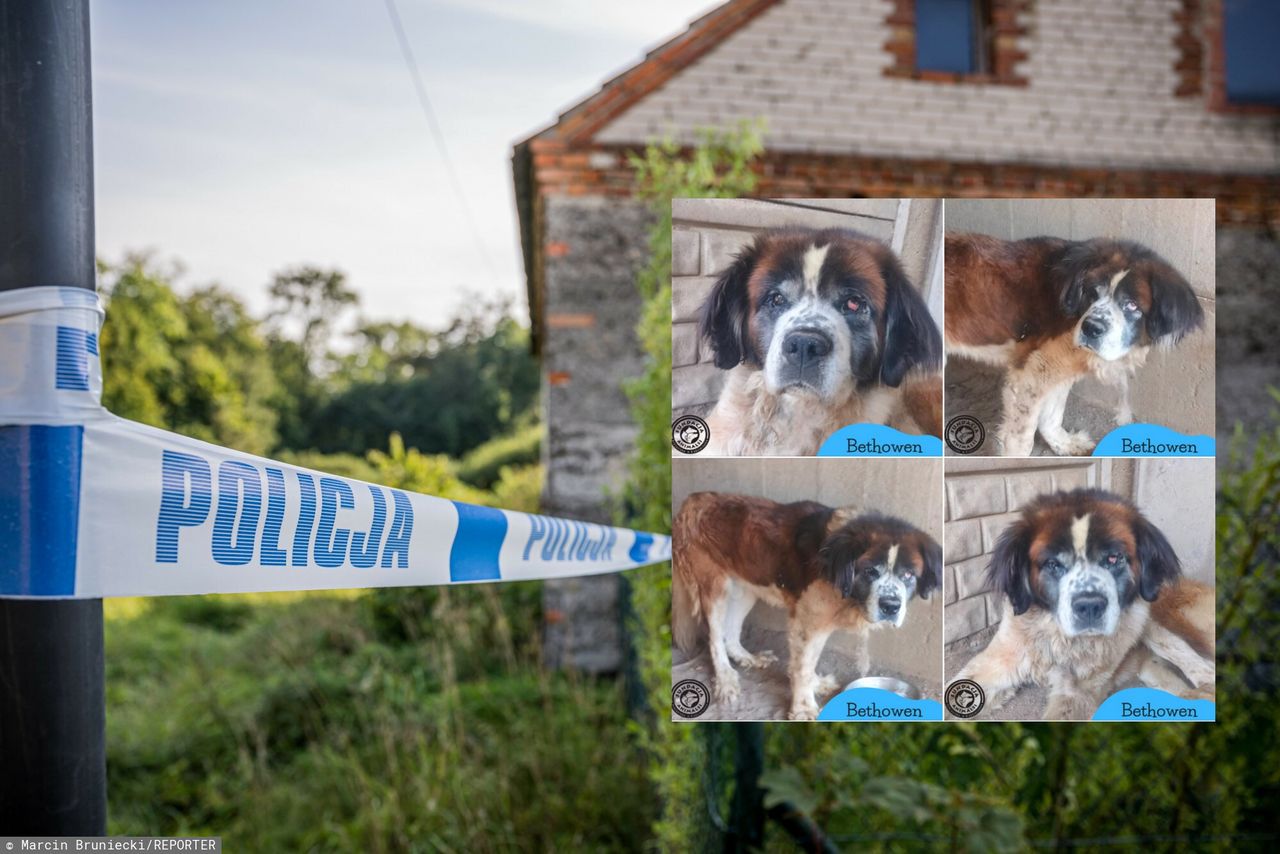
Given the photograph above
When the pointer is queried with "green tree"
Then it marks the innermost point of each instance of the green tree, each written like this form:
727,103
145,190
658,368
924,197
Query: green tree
312,300
195,364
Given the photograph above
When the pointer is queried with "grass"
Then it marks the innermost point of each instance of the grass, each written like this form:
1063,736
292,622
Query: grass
389,721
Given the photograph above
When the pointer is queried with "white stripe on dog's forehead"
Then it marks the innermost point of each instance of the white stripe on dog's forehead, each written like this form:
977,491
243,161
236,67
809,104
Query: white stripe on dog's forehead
893,556
1080,533
814,257
1115,280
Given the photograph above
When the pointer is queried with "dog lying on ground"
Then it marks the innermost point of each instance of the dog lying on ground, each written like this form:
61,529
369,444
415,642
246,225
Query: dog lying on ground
1094,597
829,569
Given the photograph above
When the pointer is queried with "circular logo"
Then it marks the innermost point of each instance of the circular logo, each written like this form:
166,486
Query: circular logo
689,434
964,698
965,434
690,698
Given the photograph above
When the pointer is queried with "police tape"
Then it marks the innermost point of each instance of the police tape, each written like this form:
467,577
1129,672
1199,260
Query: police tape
93,506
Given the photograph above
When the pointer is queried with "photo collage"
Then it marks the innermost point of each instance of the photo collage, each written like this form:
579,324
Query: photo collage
943,459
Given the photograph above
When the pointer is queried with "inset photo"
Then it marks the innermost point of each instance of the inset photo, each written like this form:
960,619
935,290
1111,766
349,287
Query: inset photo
1067,319
796,580
792,319
1080,588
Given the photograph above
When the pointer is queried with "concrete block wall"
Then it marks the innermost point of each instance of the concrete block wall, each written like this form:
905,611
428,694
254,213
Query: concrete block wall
909,489
593,249
1175,387
707,233
815,70
983,496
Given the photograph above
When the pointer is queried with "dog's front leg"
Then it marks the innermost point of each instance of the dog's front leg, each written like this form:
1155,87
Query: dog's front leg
1023,398
1063,442
727,689
997,669
806,648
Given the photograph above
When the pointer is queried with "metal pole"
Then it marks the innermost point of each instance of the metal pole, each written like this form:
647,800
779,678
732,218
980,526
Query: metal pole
53,775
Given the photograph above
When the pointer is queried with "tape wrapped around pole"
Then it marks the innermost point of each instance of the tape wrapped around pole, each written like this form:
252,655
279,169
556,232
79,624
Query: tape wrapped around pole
93,506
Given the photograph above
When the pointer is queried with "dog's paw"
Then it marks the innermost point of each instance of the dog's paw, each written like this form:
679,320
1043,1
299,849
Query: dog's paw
1124,416
1012,444
727,690
759,660
996,699
826,685
803,712
1069,707
1071,444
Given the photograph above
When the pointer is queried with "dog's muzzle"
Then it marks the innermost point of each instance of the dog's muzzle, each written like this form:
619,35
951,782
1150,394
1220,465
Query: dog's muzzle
803,353
1088,611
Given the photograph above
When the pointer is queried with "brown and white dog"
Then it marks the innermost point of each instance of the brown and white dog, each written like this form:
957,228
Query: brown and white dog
1094,598
830,569
1053,311
818,330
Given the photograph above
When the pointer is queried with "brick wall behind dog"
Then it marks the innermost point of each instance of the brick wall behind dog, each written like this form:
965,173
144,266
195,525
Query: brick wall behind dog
707,233
984,496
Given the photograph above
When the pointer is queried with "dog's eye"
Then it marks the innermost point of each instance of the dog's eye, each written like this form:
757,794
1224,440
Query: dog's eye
775,300
855,305
1114,558
873,572
1131,307
1054,568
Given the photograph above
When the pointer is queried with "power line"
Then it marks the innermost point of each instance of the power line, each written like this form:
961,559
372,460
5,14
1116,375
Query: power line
423,101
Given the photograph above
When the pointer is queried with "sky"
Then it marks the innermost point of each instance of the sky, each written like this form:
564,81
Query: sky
246,136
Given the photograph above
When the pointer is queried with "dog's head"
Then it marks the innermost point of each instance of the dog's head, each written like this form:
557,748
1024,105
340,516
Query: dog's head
1125,296
1083,556
880,562
822,312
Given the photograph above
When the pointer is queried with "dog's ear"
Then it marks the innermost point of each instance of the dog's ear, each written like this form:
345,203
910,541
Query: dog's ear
1070,272
1010,570
1159,563
931,576
839,555
911,338
726,315
1175,311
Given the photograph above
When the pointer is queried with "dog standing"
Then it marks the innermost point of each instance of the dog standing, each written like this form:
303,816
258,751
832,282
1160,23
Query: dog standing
829,569
1052,312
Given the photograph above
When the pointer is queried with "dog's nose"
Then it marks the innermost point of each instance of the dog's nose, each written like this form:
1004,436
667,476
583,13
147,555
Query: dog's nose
1088,608
805,346
890,607
1092,327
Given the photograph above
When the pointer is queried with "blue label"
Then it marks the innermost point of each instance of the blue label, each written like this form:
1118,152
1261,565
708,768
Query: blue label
877,440
39,509
1154,706
1153,440
876,704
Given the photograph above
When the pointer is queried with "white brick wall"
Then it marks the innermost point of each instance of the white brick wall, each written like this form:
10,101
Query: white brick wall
707,233
1101,93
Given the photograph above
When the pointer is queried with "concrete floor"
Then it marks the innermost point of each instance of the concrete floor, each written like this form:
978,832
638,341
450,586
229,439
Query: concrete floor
973,388
1026,705
766,693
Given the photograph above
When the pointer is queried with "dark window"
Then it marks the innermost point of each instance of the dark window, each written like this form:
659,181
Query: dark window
952,35
1250,36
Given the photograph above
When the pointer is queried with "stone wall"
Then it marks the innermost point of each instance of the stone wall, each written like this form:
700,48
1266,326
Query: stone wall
593,250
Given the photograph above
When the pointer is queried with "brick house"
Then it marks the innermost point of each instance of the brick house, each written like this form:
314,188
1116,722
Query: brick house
866,98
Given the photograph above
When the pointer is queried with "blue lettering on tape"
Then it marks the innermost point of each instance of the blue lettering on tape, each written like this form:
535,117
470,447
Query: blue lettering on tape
39,509
187,499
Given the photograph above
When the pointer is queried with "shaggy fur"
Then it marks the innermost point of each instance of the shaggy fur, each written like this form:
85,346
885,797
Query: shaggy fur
830,569
1069,553
818,330
1052,312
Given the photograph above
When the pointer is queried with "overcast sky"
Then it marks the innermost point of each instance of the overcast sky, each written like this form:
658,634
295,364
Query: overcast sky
243,136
